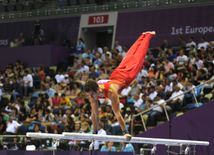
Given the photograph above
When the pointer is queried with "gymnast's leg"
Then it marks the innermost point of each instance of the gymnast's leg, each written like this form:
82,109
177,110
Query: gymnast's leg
132,63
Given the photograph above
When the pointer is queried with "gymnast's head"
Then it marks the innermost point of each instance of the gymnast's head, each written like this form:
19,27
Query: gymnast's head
91,88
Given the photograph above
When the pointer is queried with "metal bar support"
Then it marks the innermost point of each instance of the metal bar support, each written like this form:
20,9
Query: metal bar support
144,126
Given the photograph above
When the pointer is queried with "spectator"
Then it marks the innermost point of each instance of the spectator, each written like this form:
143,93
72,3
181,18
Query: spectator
181,43
105,51
83,67
33,116
153,93
64,102
18,68
10,72
142,72
76,65
59,77
202,43
101,131
97,50
143,104
102,74
93,72
28,83
7,86
77,128
127,147
88,54
75,106
22,115
61,117
134,87
38,34
175,104
169,88
9,107
97,61
76,90
192,50
202,51
15,89
155,112
80,46
40,75
172,57
152,72
108,146
118,47
137,102
20,41
161,92
49,91
189,94
84,124
165,45
3,125
172,74
168,65
198,62
190,43
14,114
181,59
47,81
125,50
12,126
161,54
38,105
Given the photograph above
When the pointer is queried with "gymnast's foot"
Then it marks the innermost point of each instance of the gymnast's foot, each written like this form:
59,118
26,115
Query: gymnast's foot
150,32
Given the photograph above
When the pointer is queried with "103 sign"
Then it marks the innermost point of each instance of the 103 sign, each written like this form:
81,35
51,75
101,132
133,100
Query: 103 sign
100,19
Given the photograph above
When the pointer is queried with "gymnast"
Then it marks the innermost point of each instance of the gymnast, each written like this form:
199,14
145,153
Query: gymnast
121,77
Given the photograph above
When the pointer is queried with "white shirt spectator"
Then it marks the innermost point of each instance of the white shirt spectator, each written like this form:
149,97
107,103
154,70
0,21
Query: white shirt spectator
180,85
11,127
189,44
28,78
176,94
121,105
123,54
169,87
59,78
99,50
181,59
103,58
205,45
119,48
125,91
153,95
85,68
151,66
158,108
137,103
97,143
191,87
199,64
142,73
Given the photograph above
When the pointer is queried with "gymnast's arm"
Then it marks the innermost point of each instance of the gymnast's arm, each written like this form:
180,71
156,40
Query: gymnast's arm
94,113
113,96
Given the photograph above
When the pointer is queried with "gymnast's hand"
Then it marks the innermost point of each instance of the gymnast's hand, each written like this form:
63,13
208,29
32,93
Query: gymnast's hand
128,137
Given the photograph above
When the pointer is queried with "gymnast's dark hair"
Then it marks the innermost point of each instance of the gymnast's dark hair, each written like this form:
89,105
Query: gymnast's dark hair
91,85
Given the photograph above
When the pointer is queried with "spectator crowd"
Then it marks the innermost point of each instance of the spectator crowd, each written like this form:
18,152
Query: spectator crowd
62,105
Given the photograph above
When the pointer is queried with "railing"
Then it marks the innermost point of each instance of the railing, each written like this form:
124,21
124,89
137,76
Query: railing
167,116
66,10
